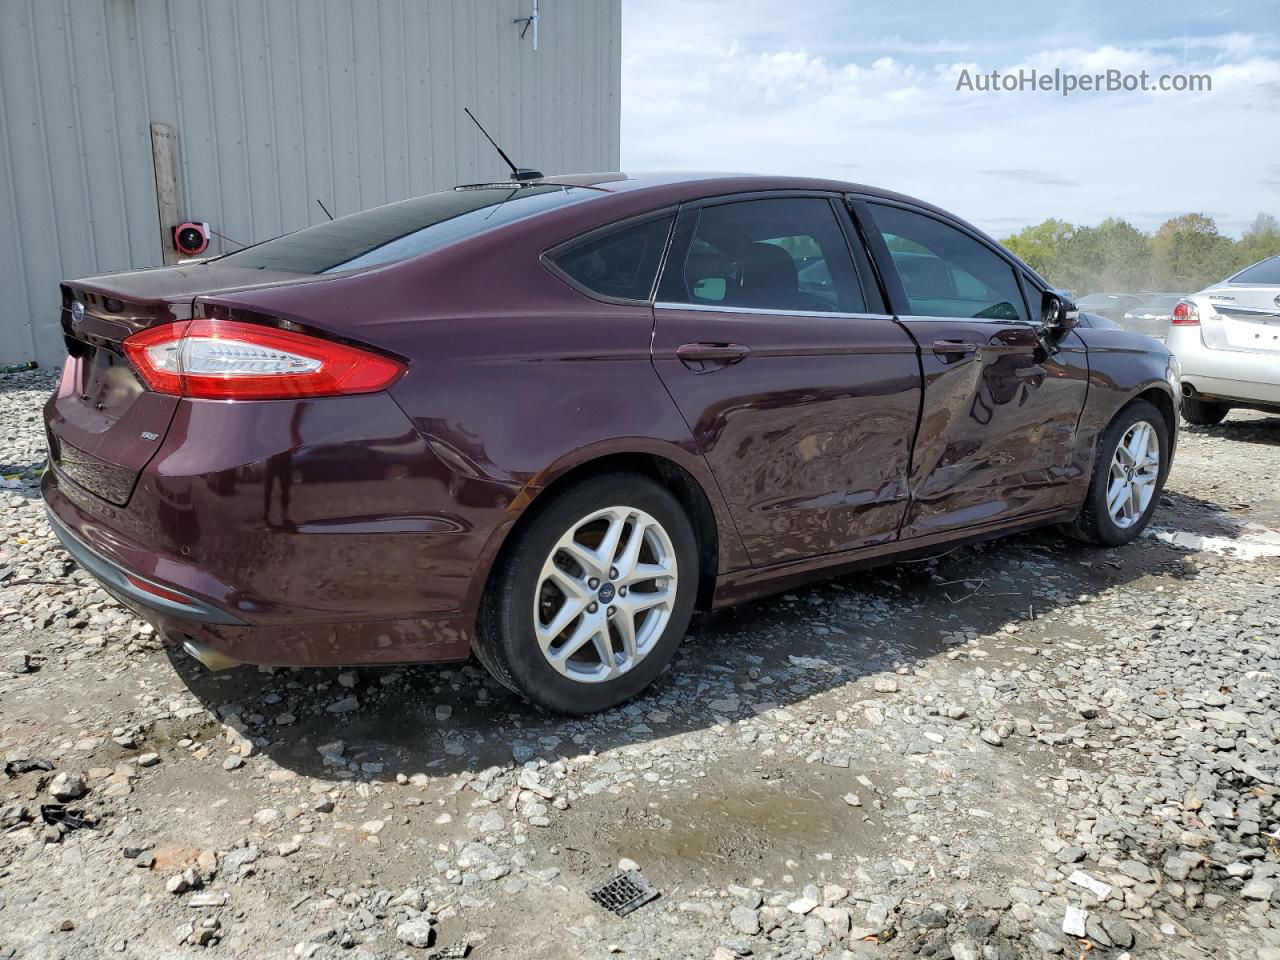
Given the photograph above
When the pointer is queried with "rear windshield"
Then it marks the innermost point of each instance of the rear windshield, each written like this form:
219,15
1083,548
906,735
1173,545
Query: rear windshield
1268,271
401,230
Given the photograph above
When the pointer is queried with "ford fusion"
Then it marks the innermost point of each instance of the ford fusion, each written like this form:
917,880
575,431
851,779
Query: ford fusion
542,422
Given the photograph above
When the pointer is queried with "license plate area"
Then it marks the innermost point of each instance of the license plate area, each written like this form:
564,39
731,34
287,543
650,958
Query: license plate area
1262,333
104,381
111,482
103,425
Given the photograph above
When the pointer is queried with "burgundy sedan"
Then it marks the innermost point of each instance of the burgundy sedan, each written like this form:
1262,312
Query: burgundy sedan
544,421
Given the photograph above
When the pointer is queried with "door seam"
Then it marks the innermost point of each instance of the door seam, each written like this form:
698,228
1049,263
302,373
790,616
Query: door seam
653,335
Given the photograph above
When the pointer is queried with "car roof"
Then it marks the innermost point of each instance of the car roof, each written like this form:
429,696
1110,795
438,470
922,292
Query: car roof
691,185
658,189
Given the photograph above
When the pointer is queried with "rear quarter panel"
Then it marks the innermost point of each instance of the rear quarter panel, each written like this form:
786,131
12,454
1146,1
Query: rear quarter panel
521,400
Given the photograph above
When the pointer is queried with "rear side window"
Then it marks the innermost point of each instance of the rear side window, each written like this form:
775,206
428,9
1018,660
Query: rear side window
621,264
786,254
945,272
401,230
1268,272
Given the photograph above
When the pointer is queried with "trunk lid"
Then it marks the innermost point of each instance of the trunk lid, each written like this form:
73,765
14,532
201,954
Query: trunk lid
1244,317
103,424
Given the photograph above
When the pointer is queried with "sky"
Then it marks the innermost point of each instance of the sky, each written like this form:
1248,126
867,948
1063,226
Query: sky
866,91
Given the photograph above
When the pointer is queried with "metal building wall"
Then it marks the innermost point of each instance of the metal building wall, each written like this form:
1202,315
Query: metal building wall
275,103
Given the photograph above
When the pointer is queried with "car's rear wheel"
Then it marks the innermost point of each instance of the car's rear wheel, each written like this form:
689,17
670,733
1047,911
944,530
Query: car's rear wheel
1128,475
1203,413
588,604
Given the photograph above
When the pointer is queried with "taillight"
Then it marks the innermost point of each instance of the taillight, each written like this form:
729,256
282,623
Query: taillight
155,353
1185,314
230,360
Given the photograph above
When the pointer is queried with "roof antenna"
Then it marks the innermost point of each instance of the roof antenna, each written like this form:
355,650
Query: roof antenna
519,174
324,208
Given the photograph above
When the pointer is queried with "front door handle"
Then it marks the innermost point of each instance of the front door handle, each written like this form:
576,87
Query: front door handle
704,356
952,350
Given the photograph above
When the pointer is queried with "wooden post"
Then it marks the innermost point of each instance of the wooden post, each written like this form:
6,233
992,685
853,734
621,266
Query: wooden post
164,154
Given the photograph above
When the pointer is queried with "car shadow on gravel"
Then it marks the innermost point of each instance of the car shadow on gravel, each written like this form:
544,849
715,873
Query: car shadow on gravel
778,652
1262,431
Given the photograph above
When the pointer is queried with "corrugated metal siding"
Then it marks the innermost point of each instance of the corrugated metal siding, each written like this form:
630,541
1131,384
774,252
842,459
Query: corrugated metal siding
276,103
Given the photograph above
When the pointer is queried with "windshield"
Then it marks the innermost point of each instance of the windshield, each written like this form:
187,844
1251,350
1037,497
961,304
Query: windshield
401,230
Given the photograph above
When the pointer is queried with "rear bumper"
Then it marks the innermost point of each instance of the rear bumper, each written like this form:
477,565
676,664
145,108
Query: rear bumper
1251,377
159,600
1222,388
209,630
292,534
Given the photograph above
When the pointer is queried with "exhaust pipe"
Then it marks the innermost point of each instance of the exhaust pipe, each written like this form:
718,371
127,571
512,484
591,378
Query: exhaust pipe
212,659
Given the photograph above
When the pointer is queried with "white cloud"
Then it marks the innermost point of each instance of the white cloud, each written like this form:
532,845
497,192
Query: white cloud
705,87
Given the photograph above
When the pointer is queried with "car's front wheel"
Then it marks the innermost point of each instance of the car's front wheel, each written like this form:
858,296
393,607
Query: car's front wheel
588,604
1203,413
1128,475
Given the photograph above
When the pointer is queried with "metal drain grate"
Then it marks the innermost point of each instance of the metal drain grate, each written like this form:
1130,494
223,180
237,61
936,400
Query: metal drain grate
624,892
454,951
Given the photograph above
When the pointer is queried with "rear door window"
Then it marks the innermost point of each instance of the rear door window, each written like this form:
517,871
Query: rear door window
945,272
787,254
622,264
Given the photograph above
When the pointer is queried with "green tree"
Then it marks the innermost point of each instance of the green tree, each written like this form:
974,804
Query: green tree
1113,256
1189,253
1186,254
1260,241
1041,246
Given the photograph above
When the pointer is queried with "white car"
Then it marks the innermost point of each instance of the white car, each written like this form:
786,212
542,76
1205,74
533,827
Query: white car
1227,339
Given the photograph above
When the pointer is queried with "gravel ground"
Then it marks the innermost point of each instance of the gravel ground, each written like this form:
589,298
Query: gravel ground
1019,749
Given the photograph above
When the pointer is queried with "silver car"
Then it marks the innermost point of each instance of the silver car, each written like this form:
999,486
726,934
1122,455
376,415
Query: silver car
1152,316
1227,339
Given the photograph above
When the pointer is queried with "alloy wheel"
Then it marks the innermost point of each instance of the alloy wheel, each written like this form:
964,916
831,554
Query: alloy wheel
605,594
1135,468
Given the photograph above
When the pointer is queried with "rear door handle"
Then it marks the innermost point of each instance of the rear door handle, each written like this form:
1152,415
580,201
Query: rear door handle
697,356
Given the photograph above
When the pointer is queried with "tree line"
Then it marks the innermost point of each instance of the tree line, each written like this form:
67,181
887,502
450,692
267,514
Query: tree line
1184,255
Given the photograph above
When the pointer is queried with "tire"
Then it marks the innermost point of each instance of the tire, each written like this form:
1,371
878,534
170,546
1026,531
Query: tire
550,561
1097,523
1203,413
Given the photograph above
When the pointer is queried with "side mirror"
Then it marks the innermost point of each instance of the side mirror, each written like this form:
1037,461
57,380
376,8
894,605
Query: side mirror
1058,312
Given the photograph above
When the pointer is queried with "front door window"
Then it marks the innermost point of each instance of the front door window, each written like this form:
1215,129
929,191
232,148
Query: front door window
946,273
